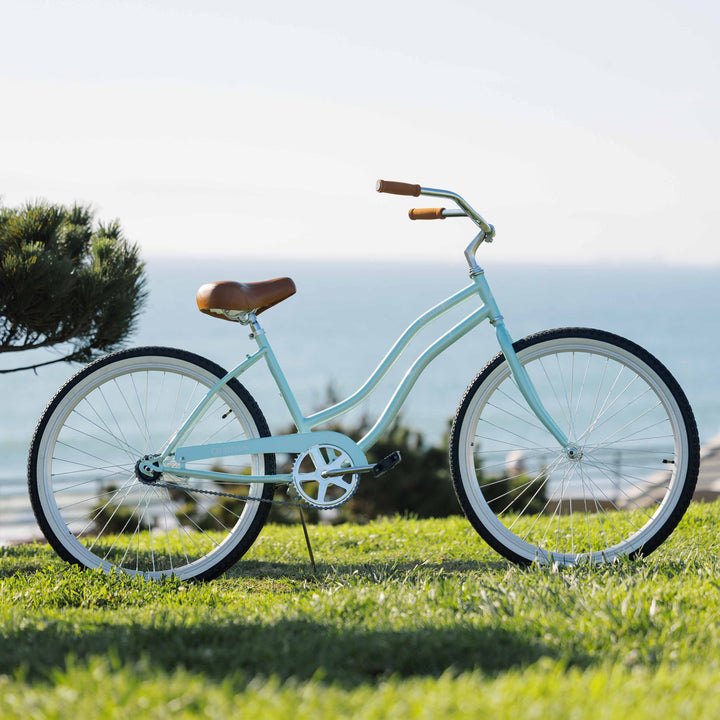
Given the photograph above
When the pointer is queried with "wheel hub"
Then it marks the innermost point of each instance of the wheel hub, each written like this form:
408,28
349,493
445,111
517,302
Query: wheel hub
573,452
146,470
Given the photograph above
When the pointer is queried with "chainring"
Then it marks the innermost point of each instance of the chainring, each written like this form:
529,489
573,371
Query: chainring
317,491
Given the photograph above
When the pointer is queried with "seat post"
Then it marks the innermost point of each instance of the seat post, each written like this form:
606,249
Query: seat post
255,325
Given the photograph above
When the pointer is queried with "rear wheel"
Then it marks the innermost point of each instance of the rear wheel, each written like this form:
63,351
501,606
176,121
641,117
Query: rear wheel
635,471
87,497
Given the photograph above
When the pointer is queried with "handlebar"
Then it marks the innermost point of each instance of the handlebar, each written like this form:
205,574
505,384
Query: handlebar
487,231
401,188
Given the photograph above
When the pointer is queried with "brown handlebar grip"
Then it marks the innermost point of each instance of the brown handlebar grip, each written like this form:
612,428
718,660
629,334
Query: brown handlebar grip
397,188
426,214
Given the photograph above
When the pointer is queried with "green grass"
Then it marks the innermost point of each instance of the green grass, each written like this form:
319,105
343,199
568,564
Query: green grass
405,618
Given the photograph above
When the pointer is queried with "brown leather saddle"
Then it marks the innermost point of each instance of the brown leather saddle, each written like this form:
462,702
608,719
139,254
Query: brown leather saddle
226,298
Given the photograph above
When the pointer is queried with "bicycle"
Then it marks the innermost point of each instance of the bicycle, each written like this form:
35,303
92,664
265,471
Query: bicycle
571,445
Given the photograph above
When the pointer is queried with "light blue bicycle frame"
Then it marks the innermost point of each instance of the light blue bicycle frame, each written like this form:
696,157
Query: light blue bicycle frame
306,437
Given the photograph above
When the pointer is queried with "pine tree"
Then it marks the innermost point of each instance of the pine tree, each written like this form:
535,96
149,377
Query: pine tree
66,283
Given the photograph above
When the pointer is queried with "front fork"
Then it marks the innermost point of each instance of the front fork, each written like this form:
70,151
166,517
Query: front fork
524,383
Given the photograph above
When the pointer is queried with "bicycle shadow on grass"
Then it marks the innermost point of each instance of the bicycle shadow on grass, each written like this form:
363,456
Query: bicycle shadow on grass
290,648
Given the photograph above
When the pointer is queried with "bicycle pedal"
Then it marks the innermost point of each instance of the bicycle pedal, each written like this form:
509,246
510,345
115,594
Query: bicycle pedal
387,463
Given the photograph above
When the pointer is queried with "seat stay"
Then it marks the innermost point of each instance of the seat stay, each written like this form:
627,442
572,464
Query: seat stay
202,407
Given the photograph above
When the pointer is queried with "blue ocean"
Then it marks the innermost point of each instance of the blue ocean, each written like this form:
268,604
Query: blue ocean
345,315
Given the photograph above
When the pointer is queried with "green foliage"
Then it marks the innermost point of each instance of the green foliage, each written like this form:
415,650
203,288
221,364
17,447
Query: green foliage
420,485
65,283
405,619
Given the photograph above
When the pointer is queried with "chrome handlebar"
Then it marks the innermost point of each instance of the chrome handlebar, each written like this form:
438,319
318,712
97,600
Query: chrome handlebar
487,231
486,227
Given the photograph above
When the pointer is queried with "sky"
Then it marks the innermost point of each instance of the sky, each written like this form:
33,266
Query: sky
585,132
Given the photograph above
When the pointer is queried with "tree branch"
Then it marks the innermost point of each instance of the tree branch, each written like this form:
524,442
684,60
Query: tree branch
67,358
32,344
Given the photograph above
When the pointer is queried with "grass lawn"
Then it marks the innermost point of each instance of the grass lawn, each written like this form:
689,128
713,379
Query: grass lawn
406,619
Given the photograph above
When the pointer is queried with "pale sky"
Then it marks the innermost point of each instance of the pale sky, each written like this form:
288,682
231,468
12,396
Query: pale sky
586,132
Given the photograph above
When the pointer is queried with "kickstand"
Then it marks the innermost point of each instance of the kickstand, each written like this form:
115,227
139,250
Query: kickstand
307,540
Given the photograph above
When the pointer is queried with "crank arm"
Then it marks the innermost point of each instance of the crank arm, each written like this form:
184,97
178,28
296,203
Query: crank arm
378,468
346,471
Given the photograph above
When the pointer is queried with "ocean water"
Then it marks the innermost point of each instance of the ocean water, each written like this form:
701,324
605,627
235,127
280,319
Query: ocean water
345,316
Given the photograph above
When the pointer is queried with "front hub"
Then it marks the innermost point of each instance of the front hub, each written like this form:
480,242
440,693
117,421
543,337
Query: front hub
573,452
146,470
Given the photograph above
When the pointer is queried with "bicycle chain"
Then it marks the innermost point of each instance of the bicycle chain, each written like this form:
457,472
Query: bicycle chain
174,486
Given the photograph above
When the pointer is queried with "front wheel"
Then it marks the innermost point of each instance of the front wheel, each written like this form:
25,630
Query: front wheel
636,468
87,497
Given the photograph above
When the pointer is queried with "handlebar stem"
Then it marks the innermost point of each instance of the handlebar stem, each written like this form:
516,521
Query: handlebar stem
486,234
470,251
